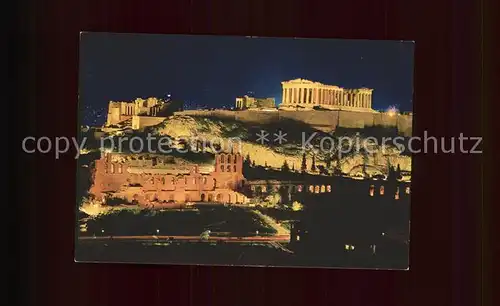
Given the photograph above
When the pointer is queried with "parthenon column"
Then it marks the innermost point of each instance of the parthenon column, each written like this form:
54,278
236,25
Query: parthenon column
307,95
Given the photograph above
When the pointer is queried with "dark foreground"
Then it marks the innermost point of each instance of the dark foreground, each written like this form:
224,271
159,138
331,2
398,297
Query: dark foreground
220,253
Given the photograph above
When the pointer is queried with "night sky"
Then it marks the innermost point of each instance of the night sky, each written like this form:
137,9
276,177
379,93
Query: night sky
212,71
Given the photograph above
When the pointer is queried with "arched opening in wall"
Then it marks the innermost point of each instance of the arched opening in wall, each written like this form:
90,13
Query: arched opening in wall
222,168
299,188
328,188
372,190
203,197
234,168
228,168
204,180
236,198
229,198
210,197
323,188
218,198
311,189
120,168
163,180
382,190
112,168
316,189
228,160
258,190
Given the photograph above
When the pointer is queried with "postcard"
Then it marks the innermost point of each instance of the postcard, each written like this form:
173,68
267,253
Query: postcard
244,151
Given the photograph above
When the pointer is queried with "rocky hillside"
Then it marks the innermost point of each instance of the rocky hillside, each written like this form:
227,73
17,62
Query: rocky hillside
215,130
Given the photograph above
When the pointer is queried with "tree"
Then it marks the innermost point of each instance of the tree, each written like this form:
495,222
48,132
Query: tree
398,173
328,162
365,162
303,167
313,164
205,235
247,159
285,167
337,170
297,206
391,176
253,163
273,199
247,163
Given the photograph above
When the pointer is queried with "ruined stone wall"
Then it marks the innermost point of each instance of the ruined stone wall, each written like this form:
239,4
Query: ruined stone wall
140,122
323,120
114,176
114,114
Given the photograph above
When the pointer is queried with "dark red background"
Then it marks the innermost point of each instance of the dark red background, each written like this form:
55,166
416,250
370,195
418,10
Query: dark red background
446,193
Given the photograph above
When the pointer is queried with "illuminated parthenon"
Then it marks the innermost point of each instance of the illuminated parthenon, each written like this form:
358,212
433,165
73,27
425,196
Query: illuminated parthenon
308,94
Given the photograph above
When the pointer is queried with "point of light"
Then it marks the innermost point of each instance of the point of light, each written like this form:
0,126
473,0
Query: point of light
392,111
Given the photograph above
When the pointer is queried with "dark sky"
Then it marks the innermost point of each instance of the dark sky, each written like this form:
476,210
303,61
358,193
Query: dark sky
214,70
